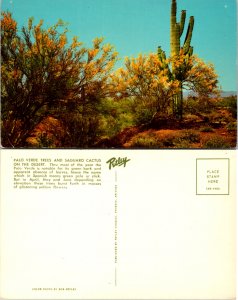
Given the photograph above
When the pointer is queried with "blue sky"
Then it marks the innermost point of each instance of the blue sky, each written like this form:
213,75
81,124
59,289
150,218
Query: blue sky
139,26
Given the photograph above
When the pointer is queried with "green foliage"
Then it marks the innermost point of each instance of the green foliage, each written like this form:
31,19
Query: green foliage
190,135
230,103
220,117
115,115
232,126
232,106
207,129
180,143
44,141
143,115
148,142
216,142
182,139
198,105
82,125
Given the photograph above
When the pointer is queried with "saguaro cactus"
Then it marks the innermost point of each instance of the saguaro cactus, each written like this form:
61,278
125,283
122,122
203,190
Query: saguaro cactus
164,62
176,31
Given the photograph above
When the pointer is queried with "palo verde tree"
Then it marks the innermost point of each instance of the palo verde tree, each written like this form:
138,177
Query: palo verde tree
42,75
38,74
147,82
82,118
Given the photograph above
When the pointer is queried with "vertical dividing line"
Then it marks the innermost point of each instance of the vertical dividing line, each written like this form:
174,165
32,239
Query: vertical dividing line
196,176
228,176
115,226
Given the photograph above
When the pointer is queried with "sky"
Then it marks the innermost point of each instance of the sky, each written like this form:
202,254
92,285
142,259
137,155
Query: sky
140,26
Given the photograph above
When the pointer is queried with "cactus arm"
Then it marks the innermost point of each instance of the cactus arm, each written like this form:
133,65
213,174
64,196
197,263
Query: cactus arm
164,63
162,58
159,51
177,39
161,54
182,21
190,51
188,37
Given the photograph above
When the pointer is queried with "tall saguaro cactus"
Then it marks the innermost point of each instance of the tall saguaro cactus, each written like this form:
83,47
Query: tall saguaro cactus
176,31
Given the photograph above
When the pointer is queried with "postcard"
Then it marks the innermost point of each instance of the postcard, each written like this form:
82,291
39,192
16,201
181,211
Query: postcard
118,149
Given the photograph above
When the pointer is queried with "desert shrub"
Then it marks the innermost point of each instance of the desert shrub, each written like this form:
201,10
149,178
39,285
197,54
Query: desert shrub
220,116
149,141
194,105
192,118
182,144
143,116
229,103
182,139
170,140
82,130
216,142
190,105
45,141
175,141
232,126
207,129
115,116
190,136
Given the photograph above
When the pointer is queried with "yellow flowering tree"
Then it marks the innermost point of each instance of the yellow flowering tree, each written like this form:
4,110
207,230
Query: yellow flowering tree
149,81
44,75
194,75
145,79
201,78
